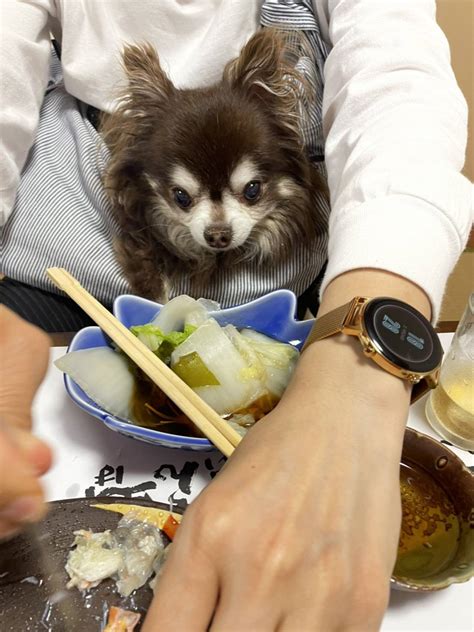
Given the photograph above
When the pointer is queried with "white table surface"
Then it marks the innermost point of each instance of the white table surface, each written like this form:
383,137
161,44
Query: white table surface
90,459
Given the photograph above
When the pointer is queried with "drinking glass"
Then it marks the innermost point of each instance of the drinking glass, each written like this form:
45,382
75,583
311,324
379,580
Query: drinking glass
450,406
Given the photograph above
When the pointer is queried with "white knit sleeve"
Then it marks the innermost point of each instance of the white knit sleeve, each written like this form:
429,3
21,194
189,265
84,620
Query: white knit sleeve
24,63
396,129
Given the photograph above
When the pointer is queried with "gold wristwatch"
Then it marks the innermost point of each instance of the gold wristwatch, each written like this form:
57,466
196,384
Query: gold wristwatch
392,333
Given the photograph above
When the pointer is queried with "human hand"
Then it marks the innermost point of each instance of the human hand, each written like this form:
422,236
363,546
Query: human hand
299,531
24,352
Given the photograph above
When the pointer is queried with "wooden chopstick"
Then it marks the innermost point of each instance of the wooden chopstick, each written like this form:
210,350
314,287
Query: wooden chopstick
218,431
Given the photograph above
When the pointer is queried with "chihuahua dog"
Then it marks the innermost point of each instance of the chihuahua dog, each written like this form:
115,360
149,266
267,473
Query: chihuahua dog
202,178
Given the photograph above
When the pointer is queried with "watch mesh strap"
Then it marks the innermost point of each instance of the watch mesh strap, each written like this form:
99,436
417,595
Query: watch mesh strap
329,324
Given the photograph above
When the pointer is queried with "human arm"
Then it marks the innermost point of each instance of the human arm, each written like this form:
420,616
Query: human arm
306,513
24,351
24,62
396,126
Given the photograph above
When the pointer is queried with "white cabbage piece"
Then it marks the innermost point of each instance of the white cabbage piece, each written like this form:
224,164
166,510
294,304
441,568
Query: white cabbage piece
278,358
95,558
196,316
209,305
172,316
256,368
104,375
200,314
237,386
184,310
241,423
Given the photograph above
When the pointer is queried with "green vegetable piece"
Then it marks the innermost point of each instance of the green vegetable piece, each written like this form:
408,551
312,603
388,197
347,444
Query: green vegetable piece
148,329
178,337
192,370
150,335
161,344
171,341
165,350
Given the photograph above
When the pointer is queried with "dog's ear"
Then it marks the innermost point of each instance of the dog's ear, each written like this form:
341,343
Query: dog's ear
148,84
259,63
265,70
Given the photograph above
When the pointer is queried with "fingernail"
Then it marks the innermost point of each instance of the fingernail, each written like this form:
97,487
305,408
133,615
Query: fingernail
23,509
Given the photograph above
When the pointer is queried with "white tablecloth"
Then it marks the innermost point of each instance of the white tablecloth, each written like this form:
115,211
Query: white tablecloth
90,459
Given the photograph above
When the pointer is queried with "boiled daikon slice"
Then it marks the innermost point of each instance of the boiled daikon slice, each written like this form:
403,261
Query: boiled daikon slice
104,375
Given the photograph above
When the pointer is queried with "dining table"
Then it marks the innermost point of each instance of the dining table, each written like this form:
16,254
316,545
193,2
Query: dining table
90,460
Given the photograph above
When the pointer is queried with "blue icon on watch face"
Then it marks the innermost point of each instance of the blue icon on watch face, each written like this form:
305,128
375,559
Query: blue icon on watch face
416,341
395,327
391,325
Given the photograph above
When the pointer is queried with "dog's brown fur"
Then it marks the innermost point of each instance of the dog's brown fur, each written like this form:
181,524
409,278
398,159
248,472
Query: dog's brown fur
253,112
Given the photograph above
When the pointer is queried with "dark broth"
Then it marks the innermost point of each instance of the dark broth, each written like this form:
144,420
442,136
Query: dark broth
430,528
151,408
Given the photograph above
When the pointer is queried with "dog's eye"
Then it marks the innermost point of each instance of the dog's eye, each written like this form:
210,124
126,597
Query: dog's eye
252,190
182,197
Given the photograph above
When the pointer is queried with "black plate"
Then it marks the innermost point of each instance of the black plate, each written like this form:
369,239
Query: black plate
32,570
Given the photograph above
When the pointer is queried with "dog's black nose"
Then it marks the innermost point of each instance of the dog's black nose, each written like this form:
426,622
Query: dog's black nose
218,235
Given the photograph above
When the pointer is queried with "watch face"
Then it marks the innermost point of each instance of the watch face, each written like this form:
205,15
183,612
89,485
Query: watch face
402,335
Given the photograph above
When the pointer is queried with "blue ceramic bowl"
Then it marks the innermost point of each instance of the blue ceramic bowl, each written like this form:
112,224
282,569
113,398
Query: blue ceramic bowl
273,315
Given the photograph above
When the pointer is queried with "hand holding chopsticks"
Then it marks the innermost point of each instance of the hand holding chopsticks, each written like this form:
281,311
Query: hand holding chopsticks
218,431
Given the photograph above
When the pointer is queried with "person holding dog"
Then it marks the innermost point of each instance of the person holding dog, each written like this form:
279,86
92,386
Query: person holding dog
295,544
